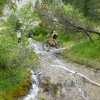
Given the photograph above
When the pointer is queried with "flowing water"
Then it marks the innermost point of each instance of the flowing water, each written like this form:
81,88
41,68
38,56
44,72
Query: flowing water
60,79
33,92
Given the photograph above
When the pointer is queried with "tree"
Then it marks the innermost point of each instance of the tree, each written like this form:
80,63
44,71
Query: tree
90,8
66,16
86,8
7,3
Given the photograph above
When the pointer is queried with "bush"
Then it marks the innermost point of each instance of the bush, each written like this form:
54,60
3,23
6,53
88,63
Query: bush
12,55
15,59
40,30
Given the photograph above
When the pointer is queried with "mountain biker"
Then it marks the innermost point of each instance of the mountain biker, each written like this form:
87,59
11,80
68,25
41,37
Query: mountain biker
54,35
53,38
19,35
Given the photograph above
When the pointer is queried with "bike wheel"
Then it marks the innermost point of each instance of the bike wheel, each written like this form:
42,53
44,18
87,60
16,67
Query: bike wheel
46,46
59,44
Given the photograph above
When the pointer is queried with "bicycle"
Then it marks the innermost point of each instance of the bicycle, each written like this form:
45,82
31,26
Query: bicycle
47,45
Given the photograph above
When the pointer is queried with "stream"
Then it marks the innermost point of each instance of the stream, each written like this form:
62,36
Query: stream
59,79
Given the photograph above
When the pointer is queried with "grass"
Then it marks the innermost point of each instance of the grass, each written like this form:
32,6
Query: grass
15,81
87,53
40,37
10,80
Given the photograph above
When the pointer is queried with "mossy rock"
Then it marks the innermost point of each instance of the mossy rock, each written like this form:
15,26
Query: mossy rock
20,90
23,89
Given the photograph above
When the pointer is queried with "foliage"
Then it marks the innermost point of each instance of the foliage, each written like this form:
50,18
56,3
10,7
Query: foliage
71,36
40,37
64,16
40,30
86,53
88,7
12,82
2,5
73,14
13,22
6,3
27,15
15,59
41,33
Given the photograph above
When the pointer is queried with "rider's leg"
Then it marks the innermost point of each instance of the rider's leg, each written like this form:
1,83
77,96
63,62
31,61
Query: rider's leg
54,42
55,39
51,41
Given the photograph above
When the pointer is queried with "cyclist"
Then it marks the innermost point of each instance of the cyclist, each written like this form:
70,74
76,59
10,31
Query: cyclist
19,32
54,37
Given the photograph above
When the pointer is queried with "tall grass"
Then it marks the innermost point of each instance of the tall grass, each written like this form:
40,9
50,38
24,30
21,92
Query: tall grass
87,53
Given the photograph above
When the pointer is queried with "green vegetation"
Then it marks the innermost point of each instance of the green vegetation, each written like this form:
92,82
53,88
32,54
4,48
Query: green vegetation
15,59
14,74
40,37
88,7
41,34
71,21
85,52
12,80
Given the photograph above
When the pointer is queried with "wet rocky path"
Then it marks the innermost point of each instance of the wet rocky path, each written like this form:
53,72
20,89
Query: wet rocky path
60,79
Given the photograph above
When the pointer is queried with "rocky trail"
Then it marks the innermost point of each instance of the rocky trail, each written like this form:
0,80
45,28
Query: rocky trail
59,79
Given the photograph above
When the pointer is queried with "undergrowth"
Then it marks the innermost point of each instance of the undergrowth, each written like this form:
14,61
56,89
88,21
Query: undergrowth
15,59
86,52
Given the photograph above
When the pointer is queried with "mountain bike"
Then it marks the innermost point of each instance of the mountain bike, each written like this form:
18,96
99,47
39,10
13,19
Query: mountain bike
48,45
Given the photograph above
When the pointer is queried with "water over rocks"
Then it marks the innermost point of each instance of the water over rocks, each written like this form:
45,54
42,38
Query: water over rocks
60,79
